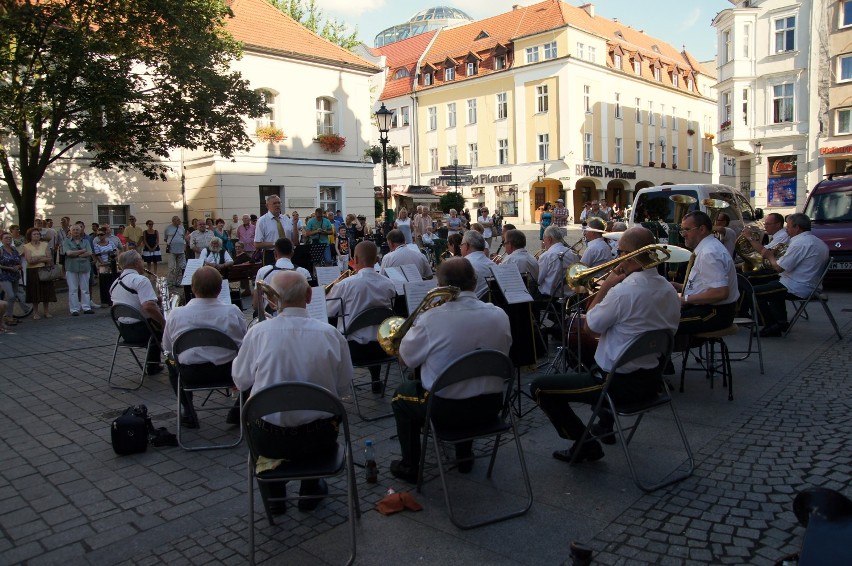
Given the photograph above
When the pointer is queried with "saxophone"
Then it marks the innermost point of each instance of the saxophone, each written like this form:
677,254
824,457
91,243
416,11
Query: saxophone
393,329
168,302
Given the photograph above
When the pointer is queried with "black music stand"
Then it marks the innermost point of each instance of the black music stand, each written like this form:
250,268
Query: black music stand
302,258
316,253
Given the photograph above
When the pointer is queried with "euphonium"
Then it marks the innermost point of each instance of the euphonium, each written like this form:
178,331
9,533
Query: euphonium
394,328
745,250
341,277
580,275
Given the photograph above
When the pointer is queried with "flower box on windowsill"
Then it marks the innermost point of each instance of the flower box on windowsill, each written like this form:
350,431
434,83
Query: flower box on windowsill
663,165
270,134
709,136
651,164
674,165
331,143
724,126
691,132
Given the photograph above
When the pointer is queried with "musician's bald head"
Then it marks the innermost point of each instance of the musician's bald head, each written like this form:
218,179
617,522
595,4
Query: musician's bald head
206,283
635,238
457,272
366,254
292,288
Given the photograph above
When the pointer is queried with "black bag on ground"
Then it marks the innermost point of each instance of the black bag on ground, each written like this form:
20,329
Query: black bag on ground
130,431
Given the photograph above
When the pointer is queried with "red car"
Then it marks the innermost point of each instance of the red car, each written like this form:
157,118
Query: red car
829,206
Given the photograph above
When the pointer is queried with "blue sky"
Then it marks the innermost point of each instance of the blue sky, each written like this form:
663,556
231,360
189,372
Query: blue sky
674,21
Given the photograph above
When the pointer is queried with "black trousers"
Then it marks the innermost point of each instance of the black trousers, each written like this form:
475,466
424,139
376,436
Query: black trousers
138,333
363,353
206,374
771,302
706,318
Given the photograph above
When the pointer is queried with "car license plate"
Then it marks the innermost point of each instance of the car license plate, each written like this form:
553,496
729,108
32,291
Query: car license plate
840,266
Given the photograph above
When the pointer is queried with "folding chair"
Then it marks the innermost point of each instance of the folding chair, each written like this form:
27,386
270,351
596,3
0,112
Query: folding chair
751,323
203,338
296,396
481,363
373,316
817,294
659,343
126,312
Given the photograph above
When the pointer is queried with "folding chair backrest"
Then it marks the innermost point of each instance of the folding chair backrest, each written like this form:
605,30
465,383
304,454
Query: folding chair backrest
202,338
119,311
480,363
373,316
658,342
746,290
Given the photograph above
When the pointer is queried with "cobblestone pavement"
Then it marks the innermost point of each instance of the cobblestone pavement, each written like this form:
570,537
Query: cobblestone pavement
66,497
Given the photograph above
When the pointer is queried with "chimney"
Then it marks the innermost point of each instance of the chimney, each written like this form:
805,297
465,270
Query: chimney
515,6
589,8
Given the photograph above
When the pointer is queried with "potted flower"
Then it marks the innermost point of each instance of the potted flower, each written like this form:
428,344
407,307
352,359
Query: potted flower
651,164
674,165
331,143
270,134
690,131
374,152
709,136
663,165
725,125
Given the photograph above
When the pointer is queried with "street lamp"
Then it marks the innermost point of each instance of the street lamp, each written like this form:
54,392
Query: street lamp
757,147
383,121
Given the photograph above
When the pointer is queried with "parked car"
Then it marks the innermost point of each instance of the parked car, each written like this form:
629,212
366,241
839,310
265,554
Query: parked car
829,206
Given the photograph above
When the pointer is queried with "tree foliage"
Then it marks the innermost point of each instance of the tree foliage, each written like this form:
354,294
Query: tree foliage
307,13
452,199
128,81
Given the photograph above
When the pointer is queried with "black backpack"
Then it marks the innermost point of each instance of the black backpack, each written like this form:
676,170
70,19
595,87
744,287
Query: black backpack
130,431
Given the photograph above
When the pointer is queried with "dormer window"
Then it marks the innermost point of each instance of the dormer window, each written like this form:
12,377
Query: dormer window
675,80
499,62
401,73
450,74
427,78
637,66
472,68
482,35
616,61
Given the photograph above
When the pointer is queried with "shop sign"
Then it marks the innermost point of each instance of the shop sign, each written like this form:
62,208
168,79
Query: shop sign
781,183
604,172
832,150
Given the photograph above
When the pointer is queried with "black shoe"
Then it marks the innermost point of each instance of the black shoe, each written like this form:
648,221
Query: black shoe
89,312
591,451
155,369
464,457
784,326
321,489
403,471
75,313
772,331
233,416
600,430
189,421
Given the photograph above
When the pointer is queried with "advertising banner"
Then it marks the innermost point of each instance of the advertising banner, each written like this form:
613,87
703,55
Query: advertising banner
781,182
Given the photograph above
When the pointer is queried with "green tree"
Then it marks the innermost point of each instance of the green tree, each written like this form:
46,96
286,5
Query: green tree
452,199
127,81
307,13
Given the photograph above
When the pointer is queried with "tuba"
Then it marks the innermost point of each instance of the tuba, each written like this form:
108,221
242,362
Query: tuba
682,204
580,275
393,329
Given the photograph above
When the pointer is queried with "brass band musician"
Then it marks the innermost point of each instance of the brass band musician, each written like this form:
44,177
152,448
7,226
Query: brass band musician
475,250
515,243
553,262
401,254
597,249
282,253
631,300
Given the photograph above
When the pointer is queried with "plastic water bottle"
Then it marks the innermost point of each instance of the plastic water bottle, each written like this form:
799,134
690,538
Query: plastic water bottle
370,463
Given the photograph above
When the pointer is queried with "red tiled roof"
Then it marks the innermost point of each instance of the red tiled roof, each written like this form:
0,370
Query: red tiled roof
261,26
402,54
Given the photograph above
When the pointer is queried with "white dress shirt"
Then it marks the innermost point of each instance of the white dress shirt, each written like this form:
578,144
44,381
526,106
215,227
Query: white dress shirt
803,264
713,268
205,313
643,301
779,237
144,292
729,240
405,255
482,265
282,264
597,252
552,269
357,293
526,262
316,353
442,335
214,258
266,229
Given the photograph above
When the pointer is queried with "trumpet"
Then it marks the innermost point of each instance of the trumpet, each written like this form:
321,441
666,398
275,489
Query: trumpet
580,275
393,329
341,277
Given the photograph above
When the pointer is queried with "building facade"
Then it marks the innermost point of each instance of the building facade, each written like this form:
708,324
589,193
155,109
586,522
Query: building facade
548,101
835,147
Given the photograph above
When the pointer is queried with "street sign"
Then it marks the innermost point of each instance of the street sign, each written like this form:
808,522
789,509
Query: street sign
453,181
456,170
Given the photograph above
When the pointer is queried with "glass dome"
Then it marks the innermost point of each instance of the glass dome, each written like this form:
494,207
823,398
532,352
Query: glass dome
421,22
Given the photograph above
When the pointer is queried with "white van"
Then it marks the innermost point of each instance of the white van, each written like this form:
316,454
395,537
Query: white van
654,208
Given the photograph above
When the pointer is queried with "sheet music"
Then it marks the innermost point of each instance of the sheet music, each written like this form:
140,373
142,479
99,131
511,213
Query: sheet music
192,266
317,308
396,275
415,291
511,283
411,272
225,293
326,275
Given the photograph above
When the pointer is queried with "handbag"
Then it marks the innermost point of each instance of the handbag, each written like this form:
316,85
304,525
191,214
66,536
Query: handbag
130,431
50,273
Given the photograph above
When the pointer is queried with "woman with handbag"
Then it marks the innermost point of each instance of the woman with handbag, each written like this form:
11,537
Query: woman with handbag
10,276
38,259
151,247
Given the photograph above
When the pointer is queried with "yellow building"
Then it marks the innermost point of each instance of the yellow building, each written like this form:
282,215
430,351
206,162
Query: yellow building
547,101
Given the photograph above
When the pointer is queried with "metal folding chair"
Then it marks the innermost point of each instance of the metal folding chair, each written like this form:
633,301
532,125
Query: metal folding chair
296,396
126,312
751,323
817,294
373,316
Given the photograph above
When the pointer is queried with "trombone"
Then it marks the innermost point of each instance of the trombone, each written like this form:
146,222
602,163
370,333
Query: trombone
580,275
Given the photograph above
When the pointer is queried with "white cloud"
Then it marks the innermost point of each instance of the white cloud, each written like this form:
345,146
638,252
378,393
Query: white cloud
691,19
350,8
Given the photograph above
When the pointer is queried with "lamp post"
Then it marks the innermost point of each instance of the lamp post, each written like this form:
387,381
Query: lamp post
757,147
383,121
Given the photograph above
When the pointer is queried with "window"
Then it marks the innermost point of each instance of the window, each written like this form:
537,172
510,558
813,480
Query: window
473,154
581,51
267,191
785,34
674,118
452,154
503,152
472,68
550,50
674,156
587,99
394,119
500,62
707,164
450,74
690,84
844,121
618,106
651,152
451,115
543,147
502,106
433,159
471,111
405,116
746,40
541,98
675,79
689,159
401,74
532,54
616,61
846,13
638,111
728,53
406,155
587,147
592,54
637,66
745,106
114,215
267,119
663,118
658,76
782,103
325,116
638,153
329,197
651,119
726,106
619,150
427,79
844,71
432,112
